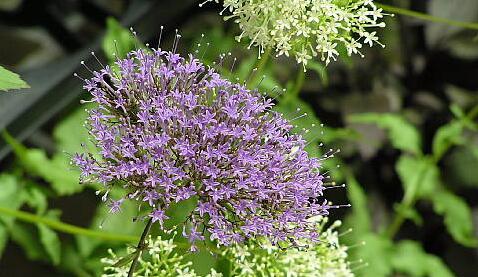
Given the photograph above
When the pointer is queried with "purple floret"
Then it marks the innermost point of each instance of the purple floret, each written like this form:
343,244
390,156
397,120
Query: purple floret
169,129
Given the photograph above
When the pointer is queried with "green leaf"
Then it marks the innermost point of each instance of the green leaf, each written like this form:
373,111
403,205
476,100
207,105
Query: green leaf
420,177
377,253
402,134
35,198
408,213
117,41
62,179
321,70
70,133
10,80
50,241
360,219
288,107
457,111
3,238
27,238
11,196
58,173
457,216
121,223
410,258
446,136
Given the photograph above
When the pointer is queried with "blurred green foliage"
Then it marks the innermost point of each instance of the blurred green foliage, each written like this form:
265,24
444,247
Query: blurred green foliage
37,178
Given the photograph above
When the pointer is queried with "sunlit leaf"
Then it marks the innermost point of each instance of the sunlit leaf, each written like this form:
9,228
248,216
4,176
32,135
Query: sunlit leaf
10,80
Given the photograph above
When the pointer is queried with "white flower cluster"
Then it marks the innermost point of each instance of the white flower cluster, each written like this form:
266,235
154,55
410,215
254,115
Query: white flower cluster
306,28
326,258
160,259
256,258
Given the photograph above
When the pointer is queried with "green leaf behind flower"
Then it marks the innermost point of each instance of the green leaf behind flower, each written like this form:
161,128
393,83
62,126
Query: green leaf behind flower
410,258
403,135
118,40
10,80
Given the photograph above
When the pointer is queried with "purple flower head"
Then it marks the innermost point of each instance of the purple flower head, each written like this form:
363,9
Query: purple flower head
169,129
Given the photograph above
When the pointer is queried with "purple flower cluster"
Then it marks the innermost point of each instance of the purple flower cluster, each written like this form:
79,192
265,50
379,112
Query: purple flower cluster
170,129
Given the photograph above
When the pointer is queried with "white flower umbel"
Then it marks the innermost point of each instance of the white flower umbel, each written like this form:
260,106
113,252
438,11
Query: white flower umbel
160,259
306,28
326,258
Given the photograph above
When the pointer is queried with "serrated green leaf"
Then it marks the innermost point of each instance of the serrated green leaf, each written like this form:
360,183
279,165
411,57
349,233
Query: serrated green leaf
117,41
10,80
62,179
410,258
420,177
50,242
49,239
35,198
27,238
402,134
446,136
457,216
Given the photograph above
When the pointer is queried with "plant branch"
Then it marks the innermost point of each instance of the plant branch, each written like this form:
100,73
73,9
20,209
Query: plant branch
427,17
140,247
64,227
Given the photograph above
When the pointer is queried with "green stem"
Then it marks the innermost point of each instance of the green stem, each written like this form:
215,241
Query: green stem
407,202
64,227
409,198
299,82
140,247
427,17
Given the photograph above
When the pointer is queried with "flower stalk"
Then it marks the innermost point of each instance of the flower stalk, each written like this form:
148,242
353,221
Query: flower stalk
141,246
